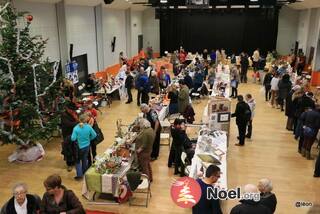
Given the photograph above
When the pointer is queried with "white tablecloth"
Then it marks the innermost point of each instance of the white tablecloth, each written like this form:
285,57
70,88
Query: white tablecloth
162,114
221,142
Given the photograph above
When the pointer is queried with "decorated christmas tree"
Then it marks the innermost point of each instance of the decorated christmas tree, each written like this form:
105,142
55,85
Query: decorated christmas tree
28,82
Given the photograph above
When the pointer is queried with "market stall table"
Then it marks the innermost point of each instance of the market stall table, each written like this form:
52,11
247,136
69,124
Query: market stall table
101,179
219,142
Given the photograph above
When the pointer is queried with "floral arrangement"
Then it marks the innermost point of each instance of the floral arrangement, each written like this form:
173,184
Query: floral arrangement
108,163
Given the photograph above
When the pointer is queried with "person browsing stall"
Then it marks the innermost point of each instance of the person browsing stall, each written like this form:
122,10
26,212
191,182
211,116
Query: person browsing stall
243,115
83,133
144,147
183,98
152,116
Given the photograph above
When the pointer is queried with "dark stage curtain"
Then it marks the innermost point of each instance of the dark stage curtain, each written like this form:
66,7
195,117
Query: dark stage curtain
235,31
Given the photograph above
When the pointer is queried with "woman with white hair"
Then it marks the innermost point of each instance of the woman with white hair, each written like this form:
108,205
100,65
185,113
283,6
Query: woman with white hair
21,202
144,144
267,198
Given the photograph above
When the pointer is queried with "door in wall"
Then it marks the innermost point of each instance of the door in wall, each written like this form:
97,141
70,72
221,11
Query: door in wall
296,46
140,42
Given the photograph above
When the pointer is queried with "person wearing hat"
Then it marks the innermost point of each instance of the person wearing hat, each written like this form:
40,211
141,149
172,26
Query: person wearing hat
69,119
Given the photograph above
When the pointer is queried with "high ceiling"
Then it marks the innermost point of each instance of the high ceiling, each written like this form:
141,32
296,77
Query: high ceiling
125,4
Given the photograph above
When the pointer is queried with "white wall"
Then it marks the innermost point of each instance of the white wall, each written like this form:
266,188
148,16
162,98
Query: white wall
44,23
81,32
114,24
313,34
136,29
303,29
287,30
151,30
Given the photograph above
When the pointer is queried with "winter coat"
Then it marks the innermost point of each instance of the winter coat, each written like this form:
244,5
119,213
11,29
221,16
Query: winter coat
154,84
68,122
289,110
188,80
267,79
240,113
183,99
269,200
33,205
252,105
250,207
284,89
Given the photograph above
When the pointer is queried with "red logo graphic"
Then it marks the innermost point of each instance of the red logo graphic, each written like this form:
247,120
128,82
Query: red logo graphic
185,192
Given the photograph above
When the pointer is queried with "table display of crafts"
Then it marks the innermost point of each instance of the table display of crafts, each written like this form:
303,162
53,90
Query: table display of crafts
208,150
120,153
159,102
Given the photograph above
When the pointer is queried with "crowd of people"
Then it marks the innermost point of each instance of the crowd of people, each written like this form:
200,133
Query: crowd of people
288,89
285,86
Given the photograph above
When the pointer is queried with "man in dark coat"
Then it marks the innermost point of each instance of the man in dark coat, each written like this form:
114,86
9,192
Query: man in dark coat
128,84
244,67
285,86
21,201
250,206
243,115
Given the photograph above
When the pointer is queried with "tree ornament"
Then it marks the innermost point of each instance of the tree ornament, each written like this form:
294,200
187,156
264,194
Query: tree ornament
29,18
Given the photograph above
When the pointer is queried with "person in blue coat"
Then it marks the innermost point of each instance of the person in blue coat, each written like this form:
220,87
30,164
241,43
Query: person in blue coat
83,133
144,88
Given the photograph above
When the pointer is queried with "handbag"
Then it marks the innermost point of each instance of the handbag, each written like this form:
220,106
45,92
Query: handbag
99,138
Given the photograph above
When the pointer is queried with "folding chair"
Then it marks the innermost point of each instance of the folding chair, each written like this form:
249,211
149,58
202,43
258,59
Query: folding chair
165,132
143,188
